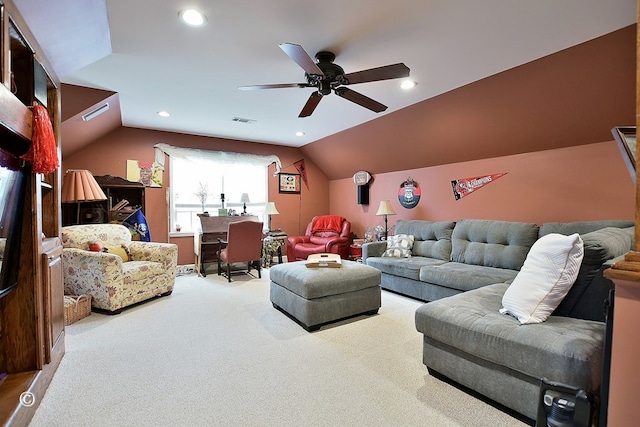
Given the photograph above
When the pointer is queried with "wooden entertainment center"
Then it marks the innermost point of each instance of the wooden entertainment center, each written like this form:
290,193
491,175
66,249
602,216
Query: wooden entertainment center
32,315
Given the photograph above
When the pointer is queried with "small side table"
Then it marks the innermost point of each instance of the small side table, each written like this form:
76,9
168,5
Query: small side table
355,252
272,242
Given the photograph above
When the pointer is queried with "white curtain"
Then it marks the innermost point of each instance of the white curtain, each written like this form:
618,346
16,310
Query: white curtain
196,155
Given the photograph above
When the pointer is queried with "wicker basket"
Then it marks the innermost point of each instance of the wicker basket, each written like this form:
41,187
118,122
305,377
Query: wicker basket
76,308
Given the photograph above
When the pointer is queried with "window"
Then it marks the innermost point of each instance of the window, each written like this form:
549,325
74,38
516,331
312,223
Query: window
191,179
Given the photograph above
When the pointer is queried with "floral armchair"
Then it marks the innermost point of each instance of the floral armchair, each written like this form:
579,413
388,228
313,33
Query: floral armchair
115,271
324,234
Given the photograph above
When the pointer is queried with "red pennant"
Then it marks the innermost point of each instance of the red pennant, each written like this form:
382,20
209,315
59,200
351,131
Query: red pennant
465,186
302,171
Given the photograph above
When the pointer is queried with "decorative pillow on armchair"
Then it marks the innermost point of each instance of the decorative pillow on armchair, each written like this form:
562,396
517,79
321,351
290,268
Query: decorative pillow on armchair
551,267
122,251
399,246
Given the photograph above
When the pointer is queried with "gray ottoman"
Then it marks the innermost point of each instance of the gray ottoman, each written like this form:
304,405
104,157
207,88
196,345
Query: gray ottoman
316,296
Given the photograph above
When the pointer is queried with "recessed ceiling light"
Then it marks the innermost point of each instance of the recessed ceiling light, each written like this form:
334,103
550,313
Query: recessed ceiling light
163,113
299,133
408,84
193,17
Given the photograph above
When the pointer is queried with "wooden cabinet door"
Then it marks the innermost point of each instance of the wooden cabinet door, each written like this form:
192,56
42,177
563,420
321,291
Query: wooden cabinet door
53,297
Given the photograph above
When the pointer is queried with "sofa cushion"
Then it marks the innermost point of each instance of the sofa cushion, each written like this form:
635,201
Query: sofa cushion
408,268
561,349
80,236
399,246
585,299
607,243
464,277
135,271
500,244
548,272
581,227
432,239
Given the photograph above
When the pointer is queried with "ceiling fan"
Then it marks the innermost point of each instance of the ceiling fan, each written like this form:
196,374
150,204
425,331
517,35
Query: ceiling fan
326,76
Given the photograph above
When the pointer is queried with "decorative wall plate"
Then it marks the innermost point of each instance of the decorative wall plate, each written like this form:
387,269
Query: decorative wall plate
361,177
409,194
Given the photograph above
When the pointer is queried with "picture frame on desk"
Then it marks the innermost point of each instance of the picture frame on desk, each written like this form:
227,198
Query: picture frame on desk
289,183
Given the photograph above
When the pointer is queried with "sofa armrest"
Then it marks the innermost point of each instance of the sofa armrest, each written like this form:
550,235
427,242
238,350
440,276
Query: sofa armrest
86,272
373,249
337,242
294,240
164,253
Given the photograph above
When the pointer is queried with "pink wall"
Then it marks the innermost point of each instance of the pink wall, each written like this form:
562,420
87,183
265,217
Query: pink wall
588,182
569,98
108,156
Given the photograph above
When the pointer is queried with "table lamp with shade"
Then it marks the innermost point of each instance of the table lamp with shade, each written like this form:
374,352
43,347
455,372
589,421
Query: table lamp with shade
385,210
244,199
269,210
80,186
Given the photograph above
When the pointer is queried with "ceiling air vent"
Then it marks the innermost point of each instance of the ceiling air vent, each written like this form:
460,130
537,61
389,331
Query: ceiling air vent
243,120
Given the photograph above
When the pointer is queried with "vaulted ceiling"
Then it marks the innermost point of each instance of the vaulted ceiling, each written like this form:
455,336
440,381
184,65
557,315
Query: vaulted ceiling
140,58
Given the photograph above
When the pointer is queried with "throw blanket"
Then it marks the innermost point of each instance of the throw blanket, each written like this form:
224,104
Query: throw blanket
137,224
327,223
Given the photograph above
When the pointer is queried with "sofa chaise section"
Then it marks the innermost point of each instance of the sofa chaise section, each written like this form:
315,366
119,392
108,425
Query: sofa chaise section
467,339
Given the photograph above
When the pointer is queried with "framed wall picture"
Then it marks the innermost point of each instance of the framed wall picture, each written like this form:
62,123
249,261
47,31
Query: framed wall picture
289,183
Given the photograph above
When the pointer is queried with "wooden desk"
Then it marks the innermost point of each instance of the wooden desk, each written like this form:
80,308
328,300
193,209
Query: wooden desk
210,230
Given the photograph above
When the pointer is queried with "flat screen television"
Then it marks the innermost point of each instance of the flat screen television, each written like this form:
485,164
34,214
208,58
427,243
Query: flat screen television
12,192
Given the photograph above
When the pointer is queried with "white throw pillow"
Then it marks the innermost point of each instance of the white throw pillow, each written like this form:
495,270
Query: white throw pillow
548,273
399,246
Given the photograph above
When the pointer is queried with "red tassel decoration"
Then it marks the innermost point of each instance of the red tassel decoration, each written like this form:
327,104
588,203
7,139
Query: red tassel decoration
43,153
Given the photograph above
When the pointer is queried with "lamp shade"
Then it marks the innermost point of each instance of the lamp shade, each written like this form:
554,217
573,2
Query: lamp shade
270,209
81,186
385,208
244,198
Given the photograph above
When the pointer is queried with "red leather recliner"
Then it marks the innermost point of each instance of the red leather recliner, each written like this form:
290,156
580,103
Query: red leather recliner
324,234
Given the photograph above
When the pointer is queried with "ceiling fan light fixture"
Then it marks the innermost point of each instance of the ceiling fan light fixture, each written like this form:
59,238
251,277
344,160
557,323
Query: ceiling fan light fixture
193,18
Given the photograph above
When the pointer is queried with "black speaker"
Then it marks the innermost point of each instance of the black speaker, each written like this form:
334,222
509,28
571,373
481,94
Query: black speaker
363,194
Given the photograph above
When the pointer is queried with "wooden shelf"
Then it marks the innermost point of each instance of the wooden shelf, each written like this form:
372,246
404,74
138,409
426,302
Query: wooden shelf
32,314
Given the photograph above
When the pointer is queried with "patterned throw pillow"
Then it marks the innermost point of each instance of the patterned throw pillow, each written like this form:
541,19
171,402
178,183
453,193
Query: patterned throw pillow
399,246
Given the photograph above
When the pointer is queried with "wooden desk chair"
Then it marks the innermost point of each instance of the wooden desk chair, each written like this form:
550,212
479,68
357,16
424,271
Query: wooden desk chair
243,244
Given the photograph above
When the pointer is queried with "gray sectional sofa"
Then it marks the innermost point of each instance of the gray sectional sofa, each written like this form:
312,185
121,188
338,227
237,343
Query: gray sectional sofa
464,268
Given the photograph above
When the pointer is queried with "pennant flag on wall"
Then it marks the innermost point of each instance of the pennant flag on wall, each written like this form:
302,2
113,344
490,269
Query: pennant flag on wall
302,171
465,186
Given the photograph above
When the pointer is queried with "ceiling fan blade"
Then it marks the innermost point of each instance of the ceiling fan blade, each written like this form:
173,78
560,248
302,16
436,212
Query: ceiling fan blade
311,104
273,86
360,99
386,72
301,57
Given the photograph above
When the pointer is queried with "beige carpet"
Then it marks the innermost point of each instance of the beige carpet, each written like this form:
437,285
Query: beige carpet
219,354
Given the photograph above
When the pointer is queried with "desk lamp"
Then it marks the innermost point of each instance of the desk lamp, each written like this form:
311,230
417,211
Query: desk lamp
244,199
